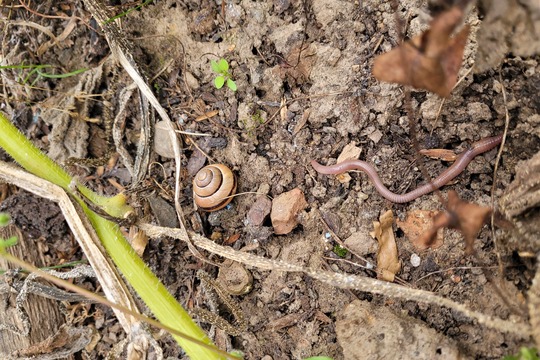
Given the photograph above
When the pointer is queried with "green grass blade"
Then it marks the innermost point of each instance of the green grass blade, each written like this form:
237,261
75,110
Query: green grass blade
128,11
61,76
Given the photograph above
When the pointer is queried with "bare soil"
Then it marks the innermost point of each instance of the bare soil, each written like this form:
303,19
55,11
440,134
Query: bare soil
317,56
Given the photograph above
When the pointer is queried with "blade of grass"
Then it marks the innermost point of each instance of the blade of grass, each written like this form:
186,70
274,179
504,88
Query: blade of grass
24,66
61,76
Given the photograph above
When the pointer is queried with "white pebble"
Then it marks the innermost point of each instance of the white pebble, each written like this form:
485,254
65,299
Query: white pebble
415,260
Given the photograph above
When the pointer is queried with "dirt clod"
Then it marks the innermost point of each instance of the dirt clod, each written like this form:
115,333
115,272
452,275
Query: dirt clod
368,332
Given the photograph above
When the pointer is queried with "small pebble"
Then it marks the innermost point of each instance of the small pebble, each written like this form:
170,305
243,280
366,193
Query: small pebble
362,196
235,278
285,210
415,260
259,211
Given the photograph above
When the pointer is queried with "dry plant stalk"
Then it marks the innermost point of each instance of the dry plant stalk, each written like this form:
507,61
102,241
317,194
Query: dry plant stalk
343,281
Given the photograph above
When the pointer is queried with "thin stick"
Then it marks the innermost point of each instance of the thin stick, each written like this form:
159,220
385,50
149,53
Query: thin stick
494,185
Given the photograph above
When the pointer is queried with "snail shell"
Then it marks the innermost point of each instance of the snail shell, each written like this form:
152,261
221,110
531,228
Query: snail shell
212,185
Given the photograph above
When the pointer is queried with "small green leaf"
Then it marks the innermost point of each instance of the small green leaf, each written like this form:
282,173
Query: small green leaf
215,66
231,84
4,219
223,65
219,81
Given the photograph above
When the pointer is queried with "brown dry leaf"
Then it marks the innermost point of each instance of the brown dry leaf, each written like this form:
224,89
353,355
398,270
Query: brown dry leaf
387,255
429,61
207,115
439,154
301,59
300,124
417,223
66,341
232,239
468,218
139,240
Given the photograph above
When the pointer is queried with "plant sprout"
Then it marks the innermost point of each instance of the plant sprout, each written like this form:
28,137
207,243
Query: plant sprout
222,68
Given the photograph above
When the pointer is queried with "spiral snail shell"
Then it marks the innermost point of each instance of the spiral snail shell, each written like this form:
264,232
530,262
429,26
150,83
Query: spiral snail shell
212,185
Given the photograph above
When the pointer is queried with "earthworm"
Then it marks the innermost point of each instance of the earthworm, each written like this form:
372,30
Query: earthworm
454,170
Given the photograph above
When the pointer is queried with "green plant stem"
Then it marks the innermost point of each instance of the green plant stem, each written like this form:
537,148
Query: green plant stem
166,309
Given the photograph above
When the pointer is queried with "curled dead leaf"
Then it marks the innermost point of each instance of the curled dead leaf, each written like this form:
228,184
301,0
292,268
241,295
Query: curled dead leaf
207,115
429,61
388,262
232,239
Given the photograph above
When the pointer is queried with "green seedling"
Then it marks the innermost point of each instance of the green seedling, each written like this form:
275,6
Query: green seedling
224,76
4,219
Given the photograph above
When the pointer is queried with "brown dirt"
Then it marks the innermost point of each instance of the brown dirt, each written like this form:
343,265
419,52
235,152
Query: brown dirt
320,53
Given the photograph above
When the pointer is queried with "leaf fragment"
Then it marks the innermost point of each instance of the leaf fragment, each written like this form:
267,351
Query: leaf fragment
214,66
387,255
468,218
417,223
